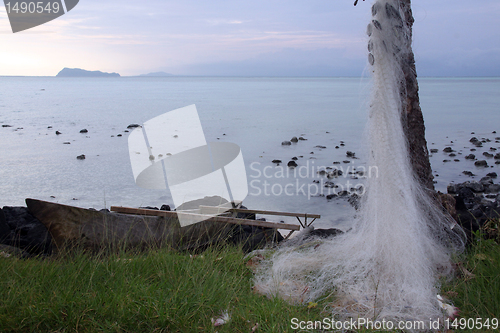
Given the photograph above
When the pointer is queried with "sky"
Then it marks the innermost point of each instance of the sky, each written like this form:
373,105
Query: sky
248,38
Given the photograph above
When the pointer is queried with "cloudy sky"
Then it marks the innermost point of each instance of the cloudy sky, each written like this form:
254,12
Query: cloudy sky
257,37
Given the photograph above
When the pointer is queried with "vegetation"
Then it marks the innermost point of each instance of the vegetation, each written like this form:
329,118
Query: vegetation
167,291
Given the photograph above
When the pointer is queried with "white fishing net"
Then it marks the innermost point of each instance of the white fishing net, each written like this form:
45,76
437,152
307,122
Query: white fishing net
388,265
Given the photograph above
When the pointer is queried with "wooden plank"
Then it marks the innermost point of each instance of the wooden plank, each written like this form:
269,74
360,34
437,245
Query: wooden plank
164,213
267,212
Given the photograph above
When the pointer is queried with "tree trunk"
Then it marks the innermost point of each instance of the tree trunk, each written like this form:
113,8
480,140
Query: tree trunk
413,123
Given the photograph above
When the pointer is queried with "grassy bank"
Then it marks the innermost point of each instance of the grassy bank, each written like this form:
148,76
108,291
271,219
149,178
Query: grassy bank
165,291
159,291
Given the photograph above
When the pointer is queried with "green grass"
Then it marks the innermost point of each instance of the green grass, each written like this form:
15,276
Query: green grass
167,291
160,291
477,294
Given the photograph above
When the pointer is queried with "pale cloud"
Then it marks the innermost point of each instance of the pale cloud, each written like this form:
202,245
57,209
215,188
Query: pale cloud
223,21
130,37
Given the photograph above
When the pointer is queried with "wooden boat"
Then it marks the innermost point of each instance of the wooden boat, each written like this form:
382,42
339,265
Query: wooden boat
136,228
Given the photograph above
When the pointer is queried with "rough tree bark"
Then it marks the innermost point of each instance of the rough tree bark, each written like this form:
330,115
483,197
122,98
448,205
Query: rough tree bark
413,123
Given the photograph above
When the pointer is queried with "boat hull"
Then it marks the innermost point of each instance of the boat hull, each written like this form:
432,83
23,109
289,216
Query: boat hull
72,226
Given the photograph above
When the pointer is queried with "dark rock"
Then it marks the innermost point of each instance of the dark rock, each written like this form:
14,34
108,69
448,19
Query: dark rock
149,207
325,233
354,201
474,186
452,155
493,188
465,192
80,157
292,164
295,158
6,125
245,215
277,161
294,139
470,157
486,180
474,139
252,238
445,161
286,143
331,196
434,150
4,228
497,156
453,188
84,131
487,154
166,208
335,173
481,163
302,138
350,154
58,133
492,175
321,147
468,173
133,126
448,150
118,135
343,193
26,232
66,143
346,161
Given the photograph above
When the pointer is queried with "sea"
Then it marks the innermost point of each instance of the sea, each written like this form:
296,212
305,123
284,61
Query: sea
328,114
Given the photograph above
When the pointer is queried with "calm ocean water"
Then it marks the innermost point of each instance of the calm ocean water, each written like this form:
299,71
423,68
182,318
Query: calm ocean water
255,113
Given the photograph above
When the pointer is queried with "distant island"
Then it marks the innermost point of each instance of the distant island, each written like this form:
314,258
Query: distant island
77,72
157,74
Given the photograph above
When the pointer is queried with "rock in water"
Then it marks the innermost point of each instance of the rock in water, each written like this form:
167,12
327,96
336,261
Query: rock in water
481,163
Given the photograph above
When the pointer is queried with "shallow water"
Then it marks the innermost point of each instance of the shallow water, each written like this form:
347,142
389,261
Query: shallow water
255,113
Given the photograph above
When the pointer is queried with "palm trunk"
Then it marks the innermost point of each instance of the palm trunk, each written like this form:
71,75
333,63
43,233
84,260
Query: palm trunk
413,123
